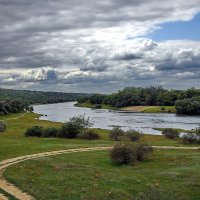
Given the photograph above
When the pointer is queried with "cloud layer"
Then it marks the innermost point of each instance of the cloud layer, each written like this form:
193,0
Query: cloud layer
94,46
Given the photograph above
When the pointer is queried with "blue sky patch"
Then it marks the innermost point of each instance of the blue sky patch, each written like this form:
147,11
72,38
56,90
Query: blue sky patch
189,30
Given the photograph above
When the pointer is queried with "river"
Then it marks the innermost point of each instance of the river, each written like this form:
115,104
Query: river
106,119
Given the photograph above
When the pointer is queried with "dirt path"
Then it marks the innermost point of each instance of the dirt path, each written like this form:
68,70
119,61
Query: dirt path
18,194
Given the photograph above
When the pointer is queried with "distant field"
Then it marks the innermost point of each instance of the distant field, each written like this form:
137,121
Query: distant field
151,109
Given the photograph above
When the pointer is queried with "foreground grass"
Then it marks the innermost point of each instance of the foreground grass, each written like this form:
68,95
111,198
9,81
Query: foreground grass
91,175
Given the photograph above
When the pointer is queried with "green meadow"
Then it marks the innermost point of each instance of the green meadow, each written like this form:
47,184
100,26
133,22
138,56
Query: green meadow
92,175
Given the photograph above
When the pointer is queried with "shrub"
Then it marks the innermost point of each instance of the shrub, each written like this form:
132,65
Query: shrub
69,130
2,126
50,132
123,153
133,135
142,151
116,134
75,126
129,153
88,134
171,133
190,138
36,131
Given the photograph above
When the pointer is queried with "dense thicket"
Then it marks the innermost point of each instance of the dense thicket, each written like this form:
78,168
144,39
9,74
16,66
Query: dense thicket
39,97
187,102
76,127
13,106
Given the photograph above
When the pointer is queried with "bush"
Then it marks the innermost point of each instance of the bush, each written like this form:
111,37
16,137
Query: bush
123,154
75,126
36,131
50,132
171,133
68,130
88,134
2,126
116,134
190,138
133,135
129,153
142,151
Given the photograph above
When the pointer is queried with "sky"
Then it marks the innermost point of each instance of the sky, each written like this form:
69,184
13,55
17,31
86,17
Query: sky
99,46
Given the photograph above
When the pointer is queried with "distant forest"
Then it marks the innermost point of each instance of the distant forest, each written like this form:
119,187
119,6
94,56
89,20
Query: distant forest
186,101
13,101
39,97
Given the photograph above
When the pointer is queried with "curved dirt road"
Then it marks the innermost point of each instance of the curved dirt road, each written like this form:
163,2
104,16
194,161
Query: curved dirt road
18,194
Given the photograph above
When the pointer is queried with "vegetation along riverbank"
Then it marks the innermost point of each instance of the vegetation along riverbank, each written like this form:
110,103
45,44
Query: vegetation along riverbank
150,99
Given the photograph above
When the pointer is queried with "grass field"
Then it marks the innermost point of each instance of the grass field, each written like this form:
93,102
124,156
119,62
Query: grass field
92,175
13,143
81,175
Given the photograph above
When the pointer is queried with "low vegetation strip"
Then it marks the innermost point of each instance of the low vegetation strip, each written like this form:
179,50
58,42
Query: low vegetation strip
17,193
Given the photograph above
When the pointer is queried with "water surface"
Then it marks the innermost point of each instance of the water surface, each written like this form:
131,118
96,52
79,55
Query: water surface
106,119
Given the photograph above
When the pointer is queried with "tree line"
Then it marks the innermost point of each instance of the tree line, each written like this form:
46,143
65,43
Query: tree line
186,101
39,97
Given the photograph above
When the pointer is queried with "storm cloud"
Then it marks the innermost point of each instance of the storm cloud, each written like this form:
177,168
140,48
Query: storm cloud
94,46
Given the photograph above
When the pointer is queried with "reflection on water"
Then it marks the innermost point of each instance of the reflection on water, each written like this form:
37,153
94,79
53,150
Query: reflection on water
106,119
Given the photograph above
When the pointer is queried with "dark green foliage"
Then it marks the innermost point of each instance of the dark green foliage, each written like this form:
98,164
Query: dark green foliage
50,132
133,135
88,134
188,106
2,126
129,153
157,193
116,134
35,131
171,133
75,126
69,130
39,97
187,102
13,106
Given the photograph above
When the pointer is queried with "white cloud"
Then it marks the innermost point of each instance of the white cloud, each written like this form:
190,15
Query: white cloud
94,43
